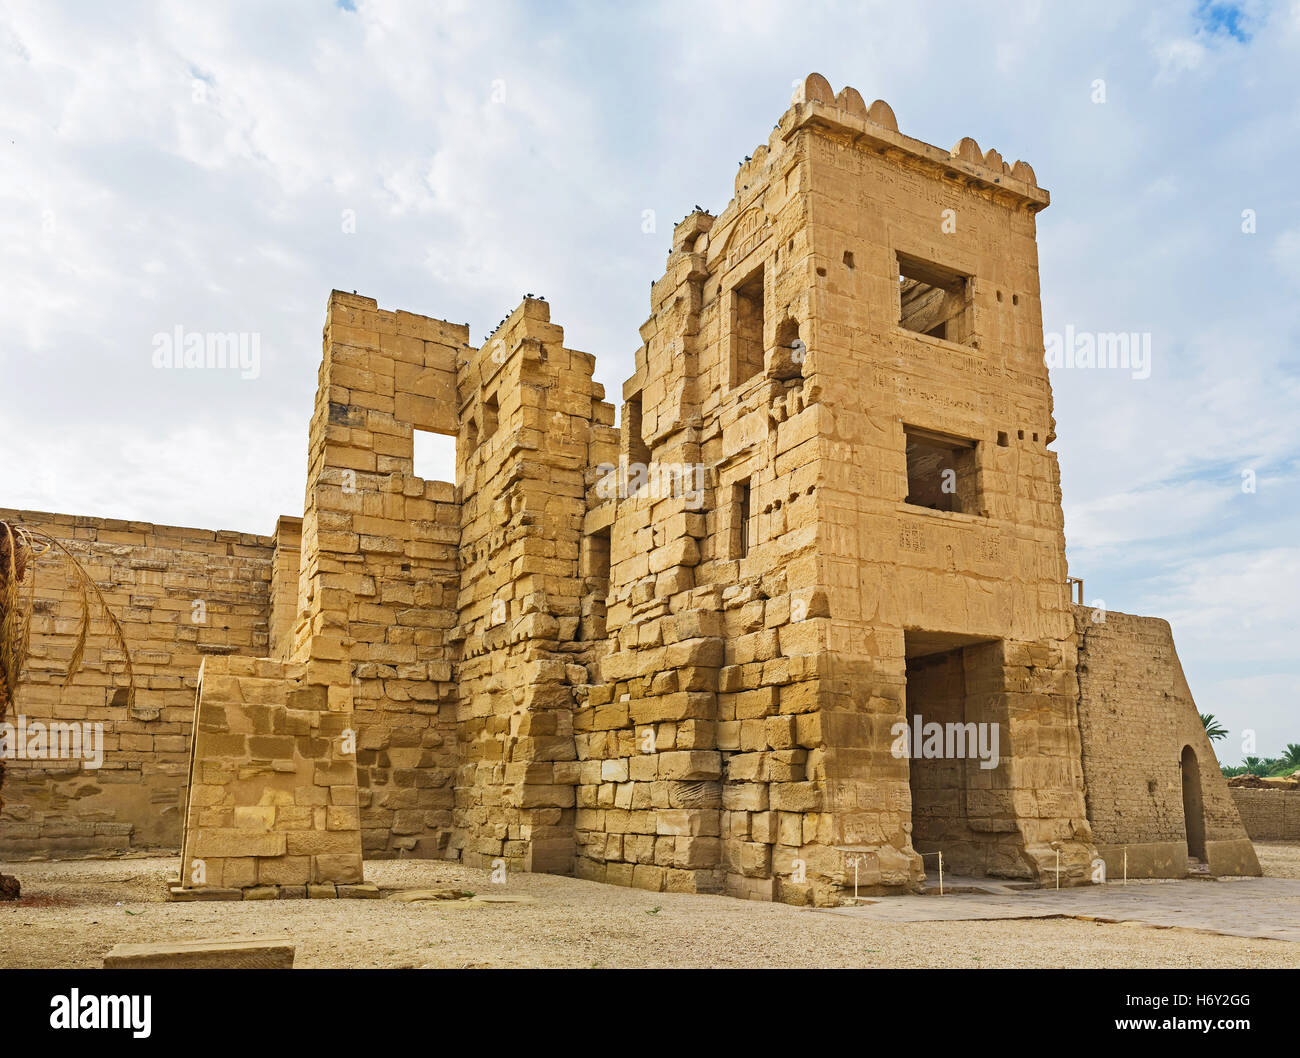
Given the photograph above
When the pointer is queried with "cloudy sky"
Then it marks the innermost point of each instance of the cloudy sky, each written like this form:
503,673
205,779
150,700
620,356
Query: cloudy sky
222,167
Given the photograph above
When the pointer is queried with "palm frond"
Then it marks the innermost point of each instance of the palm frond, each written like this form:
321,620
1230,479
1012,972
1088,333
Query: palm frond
15,620
15,629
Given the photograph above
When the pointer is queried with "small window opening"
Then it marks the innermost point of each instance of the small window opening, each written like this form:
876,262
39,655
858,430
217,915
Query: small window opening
747,328
739,529
789,354
594,568
848,258
941,472
1003,440
934,301
491,415
434,456
635,448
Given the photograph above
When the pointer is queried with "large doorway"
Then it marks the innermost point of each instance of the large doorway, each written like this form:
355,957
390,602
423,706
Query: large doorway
1193,806
955,743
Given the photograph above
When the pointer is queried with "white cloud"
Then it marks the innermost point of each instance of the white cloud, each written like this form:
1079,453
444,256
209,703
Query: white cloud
1178,56
1134,517
487,150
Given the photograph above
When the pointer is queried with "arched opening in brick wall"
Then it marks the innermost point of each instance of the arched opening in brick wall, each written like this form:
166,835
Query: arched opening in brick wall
1193,806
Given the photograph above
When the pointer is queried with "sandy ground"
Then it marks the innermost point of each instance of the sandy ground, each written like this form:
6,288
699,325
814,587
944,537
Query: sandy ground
73,912
1280,859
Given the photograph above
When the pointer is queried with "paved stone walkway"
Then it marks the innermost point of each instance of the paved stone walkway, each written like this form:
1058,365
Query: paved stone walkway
1235,907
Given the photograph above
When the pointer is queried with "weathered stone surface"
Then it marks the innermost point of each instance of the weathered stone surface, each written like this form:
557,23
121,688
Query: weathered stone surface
411,896
250,953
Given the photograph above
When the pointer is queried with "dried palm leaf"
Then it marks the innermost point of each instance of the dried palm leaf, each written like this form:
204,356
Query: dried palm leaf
23,545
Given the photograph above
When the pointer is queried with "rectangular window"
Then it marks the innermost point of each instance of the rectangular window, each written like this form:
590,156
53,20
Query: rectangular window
933,300
434,456
638,452
593,566
747,328
740,521
491,413
941,472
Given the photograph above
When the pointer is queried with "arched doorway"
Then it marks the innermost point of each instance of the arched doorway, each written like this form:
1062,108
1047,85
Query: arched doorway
1193,810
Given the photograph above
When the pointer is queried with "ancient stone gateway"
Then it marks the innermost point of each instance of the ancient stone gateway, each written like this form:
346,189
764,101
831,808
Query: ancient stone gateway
802,617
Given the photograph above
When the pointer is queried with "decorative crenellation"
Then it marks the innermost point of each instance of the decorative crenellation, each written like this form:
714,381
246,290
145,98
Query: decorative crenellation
875,126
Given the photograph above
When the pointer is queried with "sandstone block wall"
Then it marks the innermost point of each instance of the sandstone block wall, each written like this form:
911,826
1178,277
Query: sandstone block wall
272,806
533,424
379,568
904,582
181,595
286,561
1136,718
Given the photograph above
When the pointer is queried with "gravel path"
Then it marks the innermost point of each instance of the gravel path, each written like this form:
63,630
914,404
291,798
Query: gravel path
73,912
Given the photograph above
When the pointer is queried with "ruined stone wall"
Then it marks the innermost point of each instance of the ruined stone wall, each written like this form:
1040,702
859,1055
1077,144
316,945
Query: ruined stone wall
531,424
285,564
1136,716
378,566
1268,815
272,806
670,655
704,724
181,595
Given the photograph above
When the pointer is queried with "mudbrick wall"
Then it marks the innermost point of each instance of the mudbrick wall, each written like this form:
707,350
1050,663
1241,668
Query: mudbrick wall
1269,815
1142,736
181,595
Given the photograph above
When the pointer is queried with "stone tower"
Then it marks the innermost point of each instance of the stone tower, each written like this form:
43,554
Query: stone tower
851,355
